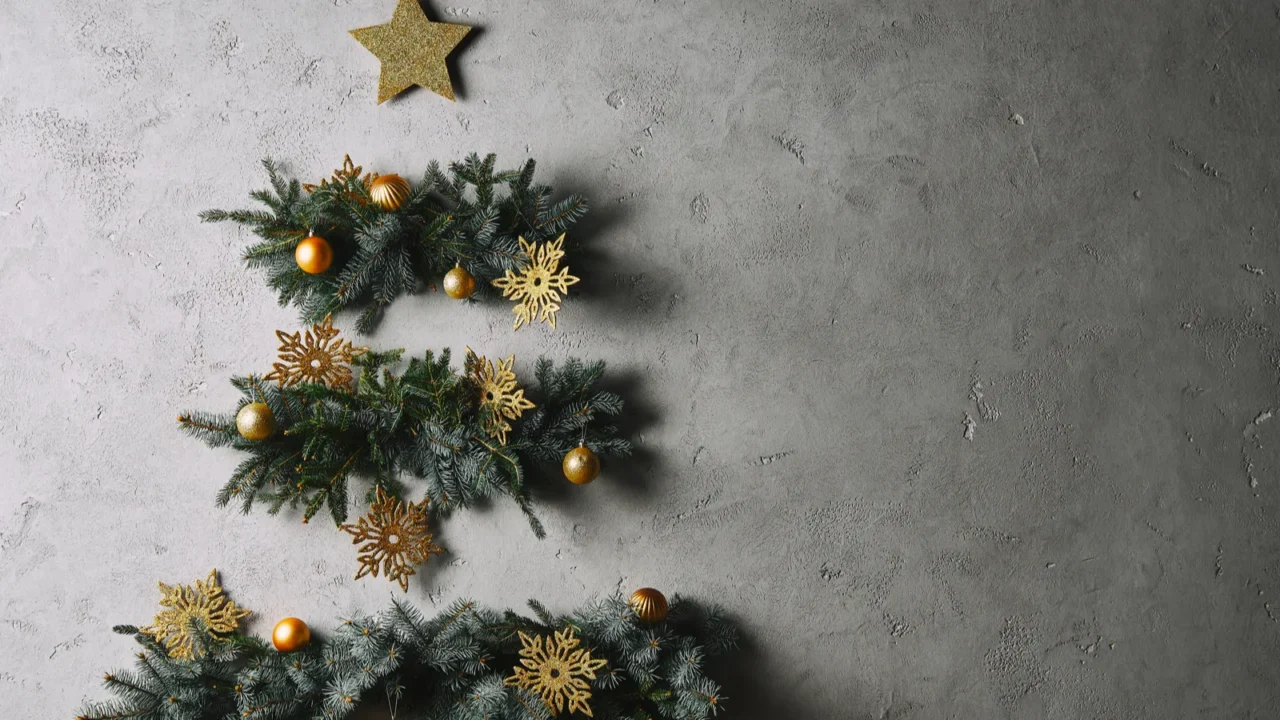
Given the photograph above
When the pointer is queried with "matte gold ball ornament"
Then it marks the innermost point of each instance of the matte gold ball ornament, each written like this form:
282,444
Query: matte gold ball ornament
290,634
314,255
649,605
580,465
389,191
459,284
255,421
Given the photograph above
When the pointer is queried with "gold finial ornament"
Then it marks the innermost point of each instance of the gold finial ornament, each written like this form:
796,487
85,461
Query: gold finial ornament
557,670
314,357
412,50
458,283
206,602
396,538
580,465
649,605
540,286
500,399
255,421
290,634
389,191
313,254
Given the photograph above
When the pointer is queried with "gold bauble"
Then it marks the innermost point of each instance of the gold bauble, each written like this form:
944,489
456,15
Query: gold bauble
581,465
649,605
290,634
389,191
255,421
458,283
314,254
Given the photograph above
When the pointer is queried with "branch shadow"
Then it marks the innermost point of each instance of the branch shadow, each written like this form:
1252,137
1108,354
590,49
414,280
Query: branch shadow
614,295
746,697
634,474
456,78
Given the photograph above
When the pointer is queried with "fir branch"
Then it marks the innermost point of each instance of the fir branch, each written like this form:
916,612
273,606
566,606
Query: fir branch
417,432
468,215
450,665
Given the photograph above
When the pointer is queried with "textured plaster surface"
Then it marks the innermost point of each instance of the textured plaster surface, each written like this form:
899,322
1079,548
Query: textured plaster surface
950,325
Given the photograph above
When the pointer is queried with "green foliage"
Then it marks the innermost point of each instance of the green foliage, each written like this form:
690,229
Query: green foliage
423,425
447,667
469,215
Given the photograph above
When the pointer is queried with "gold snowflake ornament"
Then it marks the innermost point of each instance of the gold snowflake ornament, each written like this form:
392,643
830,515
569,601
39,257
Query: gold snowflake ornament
538,288
314,357
206,602
395,537
556,669
344,176
500,399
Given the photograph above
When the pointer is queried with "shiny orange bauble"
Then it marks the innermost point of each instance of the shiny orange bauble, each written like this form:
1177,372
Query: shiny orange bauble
290,634
389,191
649,605
580,465
459,284
313,254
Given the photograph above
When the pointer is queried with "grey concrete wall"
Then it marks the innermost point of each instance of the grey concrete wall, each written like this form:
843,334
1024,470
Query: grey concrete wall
825,234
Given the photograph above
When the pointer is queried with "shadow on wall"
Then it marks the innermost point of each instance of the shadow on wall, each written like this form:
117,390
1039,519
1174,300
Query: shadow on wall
749,695
615,295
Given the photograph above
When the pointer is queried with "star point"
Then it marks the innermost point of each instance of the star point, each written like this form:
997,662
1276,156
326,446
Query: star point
412,50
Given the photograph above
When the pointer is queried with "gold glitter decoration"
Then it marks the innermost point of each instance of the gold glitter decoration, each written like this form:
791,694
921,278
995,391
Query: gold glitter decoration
346,175
499,395
395,538
412,50
206,602
537,288
314,357
557,671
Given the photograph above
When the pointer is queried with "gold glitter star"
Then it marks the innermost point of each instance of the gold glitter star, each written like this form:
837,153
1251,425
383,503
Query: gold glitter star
395,538
206,602
556,671
314,358
500,399
412,50
537,288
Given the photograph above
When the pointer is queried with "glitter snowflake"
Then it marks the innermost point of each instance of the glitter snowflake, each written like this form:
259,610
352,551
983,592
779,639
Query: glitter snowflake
500,399
206,602
395,538
314,357
557,670
344,176
538,288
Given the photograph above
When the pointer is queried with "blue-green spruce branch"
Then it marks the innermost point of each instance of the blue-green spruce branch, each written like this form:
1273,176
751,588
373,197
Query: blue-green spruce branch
420,431
454,666
468,215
